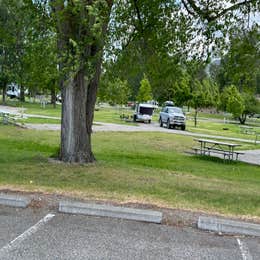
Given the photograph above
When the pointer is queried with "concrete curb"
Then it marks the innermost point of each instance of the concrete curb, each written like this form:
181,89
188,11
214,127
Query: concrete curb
228,226
14,201
110,211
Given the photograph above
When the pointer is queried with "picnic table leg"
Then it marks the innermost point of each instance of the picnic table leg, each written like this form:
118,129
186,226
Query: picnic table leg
5,119
204,149
201,148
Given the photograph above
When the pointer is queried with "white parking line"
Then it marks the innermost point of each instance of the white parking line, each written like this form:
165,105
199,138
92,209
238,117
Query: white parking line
25,234
244,250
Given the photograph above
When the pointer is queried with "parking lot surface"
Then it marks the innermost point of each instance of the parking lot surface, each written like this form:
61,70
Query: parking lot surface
44,234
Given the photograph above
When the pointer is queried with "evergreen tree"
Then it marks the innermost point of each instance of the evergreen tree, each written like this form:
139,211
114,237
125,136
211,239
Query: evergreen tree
145,91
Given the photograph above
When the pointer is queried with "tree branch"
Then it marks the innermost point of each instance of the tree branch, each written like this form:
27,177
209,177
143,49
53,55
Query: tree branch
207,14
233,7
138,16
187,8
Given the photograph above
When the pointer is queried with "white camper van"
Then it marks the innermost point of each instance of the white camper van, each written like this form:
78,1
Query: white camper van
13,91
143,113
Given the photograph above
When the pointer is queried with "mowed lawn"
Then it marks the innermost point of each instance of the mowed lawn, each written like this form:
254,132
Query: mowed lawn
131,167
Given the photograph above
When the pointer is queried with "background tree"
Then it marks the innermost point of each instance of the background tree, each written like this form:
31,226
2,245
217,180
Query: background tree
182,90
232,101
239,105
154,45
42,61
7,48
145,91
240,65
24,45
252,106
203,95
114,92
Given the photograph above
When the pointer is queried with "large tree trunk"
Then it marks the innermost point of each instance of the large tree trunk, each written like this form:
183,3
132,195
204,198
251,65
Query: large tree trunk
75,139
80,88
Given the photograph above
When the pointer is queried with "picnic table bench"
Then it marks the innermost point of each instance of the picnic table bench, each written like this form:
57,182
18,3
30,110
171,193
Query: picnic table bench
5,118
249,130
8,118
211,147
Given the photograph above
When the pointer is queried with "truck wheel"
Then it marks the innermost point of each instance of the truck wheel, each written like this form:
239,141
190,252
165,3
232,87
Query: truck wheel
168,124
183,127
149,121
134,118
160,122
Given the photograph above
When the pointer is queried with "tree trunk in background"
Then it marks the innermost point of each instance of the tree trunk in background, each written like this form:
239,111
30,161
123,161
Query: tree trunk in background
242,119
22,98
53,97
4,94
195,117
92,92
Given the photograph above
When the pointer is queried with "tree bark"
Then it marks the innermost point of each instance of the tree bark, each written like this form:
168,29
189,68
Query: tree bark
75,139
4,94
91,97
195,117
22,98
53,97
242,119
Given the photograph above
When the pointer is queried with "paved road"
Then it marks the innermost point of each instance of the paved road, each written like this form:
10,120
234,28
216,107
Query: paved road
29,234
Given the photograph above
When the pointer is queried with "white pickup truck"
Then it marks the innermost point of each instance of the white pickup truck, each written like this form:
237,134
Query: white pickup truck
172,117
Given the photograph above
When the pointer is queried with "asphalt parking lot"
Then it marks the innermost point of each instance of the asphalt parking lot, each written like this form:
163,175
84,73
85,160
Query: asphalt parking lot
46,234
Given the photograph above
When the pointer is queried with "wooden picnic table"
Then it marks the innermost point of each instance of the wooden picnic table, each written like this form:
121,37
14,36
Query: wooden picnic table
250,130
207,147
7,118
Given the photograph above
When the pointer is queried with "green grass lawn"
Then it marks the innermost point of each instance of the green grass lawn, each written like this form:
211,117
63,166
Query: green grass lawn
35,108
220,116
37,120
102,114
220,129
131,167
